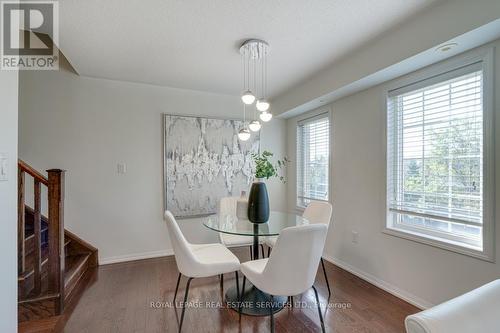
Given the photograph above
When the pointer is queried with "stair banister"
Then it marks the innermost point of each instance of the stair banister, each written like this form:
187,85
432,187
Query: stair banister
20,221
45,285
37,222
55,185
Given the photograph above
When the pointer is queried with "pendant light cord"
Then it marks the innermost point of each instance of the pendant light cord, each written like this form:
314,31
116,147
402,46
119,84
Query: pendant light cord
243,68
262,72
255,83
264,60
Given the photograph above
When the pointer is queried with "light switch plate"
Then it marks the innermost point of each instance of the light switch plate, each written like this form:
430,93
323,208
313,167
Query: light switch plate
355,236
4,172
121,168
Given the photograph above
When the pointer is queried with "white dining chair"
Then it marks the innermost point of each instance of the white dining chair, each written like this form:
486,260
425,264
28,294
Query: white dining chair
227,206
291,268
198,260
317,212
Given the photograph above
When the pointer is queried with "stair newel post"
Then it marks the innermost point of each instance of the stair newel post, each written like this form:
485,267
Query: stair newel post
37,223
20,222
56,235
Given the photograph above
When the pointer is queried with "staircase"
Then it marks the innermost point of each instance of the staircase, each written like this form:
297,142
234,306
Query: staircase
52,262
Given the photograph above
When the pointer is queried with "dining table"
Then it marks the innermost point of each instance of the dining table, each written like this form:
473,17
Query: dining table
254,301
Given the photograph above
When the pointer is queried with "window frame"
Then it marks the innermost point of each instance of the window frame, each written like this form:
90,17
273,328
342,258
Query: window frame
484,56
317,114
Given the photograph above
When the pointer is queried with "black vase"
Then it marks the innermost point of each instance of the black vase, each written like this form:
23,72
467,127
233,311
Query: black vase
258,203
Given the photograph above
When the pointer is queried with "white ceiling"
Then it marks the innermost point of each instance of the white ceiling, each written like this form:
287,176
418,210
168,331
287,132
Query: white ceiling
193,44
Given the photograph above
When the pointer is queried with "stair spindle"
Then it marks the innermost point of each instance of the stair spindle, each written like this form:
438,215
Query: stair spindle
20,222
37,222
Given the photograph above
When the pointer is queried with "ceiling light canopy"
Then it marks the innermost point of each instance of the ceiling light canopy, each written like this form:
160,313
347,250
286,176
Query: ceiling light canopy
446,47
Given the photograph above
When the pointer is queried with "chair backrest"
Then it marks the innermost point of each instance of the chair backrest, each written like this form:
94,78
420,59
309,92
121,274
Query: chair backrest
227,205
318,212
294,261
182,251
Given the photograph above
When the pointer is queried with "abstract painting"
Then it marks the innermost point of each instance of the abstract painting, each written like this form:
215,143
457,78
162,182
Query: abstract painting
203,162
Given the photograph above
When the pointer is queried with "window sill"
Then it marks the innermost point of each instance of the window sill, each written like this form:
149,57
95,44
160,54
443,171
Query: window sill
449,246
299,209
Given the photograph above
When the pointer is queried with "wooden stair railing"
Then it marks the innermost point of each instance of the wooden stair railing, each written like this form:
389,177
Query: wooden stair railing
55,186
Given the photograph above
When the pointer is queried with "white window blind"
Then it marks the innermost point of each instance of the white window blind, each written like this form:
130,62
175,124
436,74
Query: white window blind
435,157
313,142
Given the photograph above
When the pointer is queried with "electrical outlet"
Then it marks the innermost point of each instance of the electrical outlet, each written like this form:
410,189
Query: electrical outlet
4,174
355,237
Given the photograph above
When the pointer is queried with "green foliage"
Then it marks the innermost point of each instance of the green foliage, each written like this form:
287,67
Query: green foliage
264,168
453,155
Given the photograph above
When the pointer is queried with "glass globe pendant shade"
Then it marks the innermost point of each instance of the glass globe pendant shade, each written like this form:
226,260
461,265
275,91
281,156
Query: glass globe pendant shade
262,105
255,126
265,116
244,134
248,97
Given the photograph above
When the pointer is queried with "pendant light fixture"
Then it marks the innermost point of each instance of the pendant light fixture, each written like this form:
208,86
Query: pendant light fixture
254,126
244,133
262,103
266,116
247,97
254,59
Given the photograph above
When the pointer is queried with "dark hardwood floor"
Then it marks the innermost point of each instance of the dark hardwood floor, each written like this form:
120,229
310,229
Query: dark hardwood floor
123,298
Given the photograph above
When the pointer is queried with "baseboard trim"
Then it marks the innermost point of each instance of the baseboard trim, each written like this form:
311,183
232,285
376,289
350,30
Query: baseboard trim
141,256
384,285
135,256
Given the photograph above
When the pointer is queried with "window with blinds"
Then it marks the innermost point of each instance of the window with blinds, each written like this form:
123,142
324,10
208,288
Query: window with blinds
313,154
435,158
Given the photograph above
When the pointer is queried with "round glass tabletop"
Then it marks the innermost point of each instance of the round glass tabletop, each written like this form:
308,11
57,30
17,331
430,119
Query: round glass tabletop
230,224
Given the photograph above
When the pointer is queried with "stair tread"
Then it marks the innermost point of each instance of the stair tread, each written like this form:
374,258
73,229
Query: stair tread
30,261
72,266
44,256
72,269
29,225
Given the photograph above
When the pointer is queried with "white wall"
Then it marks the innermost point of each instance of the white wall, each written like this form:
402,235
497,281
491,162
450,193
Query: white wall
87,126
8,202
420,273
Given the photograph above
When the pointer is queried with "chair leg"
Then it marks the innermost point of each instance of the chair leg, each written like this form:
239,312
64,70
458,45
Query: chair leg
241,295
251,255
177,287
221,282
237,286
319,310
272,313
184,304
268,251
262,248
326,278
